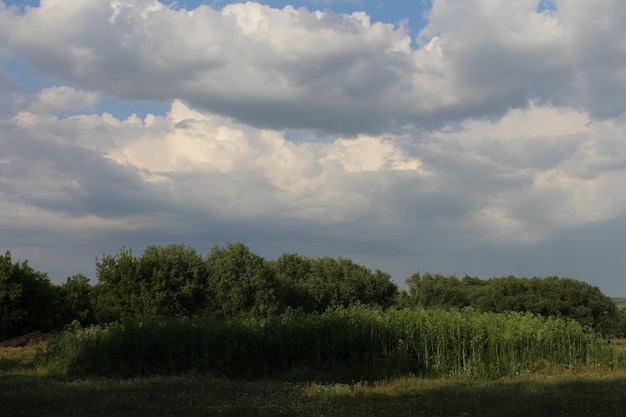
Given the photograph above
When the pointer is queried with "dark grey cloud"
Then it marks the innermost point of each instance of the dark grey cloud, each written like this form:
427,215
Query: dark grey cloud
55,175
591,252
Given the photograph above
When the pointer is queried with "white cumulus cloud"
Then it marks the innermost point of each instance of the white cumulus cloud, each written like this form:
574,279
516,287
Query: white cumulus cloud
295,68
498,130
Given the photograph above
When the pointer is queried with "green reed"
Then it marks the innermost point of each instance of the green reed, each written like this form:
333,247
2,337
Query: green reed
354,343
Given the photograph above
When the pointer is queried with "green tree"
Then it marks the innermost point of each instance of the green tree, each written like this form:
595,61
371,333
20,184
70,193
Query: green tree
28,299
175,279
77,303
323,282
291,272
436,290
240,282
170,280
551,296
119,292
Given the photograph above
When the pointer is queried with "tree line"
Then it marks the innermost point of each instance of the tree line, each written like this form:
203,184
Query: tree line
550,296
231,281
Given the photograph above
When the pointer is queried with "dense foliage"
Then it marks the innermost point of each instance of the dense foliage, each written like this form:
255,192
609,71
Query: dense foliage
232,281
29,301
354,343
550,296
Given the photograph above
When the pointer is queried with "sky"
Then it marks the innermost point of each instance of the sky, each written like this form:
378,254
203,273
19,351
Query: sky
478,137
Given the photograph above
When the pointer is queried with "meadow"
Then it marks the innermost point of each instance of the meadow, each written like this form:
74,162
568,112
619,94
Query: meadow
28,391
345,362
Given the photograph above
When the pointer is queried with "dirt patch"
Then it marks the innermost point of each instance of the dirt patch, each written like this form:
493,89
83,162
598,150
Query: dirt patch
27,339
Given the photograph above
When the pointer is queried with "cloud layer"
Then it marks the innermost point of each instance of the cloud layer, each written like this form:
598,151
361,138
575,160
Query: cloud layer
495,140
295,68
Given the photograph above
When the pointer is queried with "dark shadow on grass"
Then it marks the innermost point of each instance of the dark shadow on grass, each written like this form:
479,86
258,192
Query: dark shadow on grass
201,395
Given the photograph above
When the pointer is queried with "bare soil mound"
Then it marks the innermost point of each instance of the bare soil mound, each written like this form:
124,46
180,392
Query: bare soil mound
27,339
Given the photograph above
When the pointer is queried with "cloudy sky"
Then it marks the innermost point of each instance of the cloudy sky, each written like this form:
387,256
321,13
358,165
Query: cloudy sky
480,137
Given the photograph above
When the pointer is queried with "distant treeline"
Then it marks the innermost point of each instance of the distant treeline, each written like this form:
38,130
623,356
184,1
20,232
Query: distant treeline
550,296
232,281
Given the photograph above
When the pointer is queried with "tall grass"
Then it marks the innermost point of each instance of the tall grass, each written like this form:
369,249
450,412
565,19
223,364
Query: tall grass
353,343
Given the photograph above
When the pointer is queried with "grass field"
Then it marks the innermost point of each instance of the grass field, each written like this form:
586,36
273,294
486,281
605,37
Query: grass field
28,391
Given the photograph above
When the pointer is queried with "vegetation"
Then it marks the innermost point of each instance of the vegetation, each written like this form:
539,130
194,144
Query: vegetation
174,333
620,303
233,281
552,296
27,391
30,302
359,343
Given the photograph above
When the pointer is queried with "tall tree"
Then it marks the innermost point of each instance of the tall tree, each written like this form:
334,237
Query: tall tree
316,284
169,280
240,282
119,291
291,271
77,303
436,290
176,279
28,299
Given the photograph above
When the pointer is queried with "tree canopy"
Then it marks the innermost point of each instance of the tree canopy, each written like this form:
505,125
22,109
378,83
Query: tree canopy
28,299
551,296
231,280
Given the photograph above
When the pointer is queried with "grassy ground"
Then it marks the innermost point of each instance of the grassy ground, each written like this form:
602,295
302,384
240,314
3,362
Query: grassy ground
26,391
